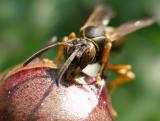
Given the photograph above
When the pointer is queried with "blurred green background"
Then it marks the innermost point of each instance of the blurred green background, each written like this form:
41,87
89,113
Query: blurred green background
26,25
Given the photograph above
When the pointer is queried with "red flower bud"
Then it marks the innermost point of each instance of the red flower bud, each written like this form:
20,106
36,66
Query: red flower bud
30,94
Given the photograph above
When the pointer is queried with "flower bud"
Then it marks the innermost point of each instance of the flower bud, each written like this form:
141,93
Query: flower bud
30,94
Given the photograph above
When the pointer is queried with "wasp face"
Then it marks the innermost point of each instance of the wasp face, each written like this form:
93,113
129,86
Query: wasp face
83,57
95,35
86,53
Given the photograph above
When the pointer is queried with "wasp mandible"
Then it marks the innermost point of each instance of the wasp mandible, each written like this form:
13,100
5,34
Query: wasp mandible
94,44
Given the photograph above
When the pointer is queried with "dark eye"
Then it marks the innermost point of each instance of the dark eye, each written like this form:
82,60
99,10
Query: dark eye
93,31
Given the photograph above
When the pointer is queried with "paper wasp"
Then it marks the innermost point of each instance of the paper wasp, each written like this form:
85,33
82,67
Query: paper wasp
94,44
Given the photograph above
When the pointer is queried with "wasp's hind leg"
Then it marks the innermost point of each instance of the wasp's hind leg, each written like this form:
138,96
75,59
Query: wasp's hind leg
60,52
124,74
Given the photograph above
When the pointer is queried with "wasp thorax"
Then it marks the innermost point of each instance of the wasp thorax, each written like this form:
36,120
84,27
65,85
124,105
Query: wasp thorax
93,31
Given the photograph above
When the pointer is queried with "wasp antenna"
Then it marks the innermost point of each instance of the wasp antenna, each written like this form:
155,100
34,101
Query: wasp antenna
43,50
66,65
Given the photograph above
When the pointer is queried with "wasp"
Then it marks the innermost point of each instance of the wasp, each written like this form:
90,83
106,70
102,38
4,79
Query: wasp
94,44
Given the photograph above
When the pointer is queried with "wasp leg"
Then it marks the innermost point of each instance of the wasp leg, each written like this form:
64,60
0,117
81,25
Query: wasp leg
72,36
124,72
60,52
104,59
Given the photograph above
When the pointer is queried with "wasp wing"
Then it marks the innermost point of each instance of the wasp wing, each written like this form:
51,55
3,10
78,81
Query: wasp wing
53,40
129,27
99,17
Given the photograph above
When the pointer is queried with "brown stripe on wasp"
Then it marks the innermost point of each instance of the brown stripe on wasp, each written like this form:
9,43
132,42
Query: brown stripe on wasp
94,44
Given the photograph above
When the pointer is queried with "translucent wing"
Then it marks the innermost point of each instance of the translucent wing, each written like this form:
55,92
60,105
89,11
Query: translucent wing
53,40
129,27
100,16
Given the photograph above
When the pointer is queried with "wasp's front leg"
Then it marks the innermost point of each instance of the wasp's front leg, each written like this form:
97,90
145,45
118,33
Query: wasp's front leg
124,74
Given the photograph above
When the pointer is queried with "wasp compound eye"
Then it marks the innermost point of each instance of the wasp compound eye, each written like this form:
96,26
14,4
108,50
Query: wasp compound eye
94,31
